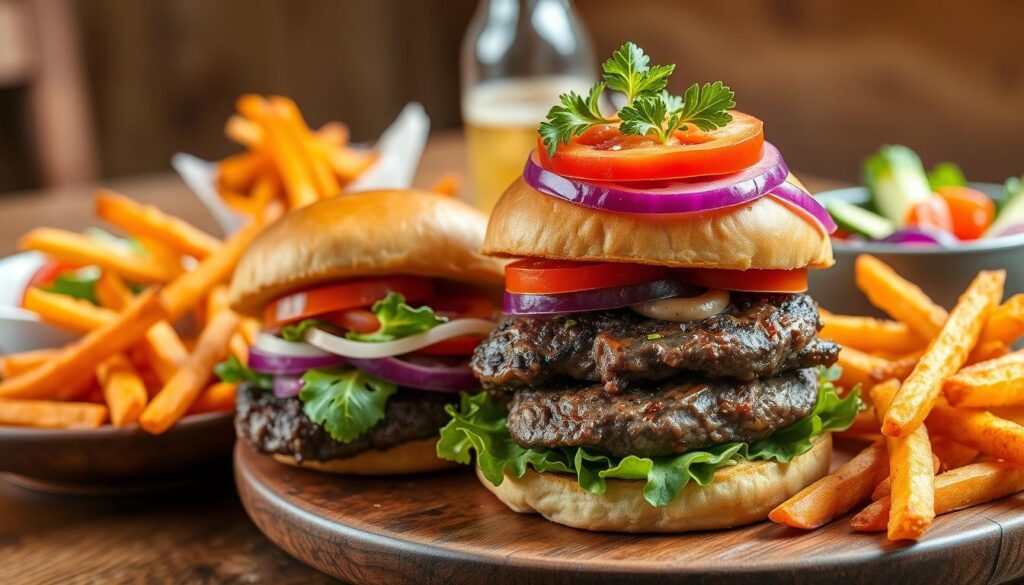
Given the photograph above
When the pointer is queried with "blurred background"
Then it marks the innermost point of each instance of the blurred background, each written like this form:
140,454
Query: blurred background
93,89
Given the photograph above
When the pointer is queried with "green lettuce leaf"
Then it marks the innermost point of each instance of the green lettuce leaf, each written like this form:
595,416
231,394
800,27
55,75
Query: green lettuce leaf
345,401
295,331
79,284
479,425
234,371
398,320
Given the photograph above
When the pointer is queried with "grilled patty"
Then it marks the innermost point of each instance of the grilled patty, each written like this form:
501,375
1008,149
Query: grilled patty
674,417
279,425
759,336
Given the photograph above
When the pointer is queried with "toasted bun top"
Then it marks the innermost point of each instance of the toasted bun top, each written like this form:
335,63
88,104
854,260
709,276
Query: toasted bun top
373,233
763,234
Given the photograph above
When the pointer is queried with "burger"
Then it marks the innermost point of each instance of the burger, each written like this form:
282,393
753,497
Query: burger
658,367
372,304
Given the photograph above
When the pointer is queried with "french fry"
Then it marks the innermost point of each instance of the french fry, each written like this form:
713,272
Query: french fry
899,298
184,293
987,350
897,369
981,430
178,394
217,398
911,470
243,131
952,454
863,424
263,192
870,335
946,354
13,364
333,134
123,390
52,414
954,490
314,152
300,188
238,172
858,367
836,493
1006,323
349,163
66,312
998,382
83,250
217,300
250,329
448,184
884,488
68,365
150,222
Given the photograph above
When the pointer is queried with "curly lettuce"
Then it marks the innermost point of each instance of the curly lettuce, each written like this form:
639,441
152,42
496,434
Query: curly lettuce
478,426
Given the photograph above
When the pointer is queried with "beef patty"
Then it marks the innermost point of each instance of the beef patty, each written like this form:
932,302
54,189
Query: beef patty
760,335
279,425
674,417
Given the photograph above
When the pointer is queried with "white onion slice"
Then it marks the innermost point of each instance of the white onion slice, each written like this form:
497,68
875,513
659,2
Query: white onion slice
275,345
371,350
683,309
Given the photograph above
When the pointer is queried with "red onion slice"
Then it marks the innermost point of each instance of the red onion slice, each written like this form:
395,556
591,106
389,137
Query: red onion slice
790,193
433,378
591,300
677,197
287,386
918,236
269,363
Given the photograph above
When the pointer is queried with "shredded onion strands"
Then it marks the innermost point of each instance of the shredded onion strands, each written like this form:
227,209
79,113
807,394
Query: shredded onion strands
685,309
336,345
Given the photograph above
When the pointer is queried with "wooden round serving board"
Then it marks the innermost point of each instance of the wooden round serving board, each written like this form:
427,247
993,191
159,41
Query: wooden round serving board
446,528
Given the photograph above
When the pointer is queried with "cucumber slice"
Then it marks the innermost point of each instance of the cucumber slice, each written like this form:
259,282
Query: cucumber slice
857,220
897,181
1011,212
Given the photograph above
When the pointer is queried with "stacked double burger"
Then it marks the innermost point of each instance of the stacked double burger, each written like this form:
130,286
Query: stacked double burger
659,366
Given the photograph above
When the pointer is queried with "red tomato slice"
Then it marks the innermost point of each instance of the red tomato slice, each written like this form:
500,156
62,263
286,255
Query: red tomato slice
602,153
358,320
454,346
931,213
971,211
543,276
781,281
348,295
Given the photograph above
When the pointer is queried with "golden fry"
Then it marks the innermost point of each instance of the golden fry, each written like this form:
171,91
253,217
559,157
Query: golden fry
217,398
66,312
984,431
51,414
871,335
83,250
13,364
123,390
899,298
150,222
998,382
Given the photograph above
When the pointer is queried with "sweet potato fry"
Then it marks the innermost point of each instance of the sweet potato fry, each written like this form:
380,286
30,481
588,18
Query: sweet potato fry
984,431
998,382
836,493
184,293
239,172
952,454
349,163
313,151
178,394
66,312
51,414
123,390
83,250
218,397
871,335
899,298
244,132
13,364
150,222
911,468
68,365
858,368
955,489
946,354
299,183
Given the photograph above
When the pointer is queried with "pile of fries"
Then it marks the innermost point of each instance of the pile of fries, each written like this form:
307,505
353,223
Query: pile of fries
131,365
945,396
284,159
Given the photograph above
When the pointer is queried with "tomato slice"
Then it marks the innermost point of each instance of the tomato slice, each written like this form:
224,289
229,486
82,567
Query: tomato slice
971,211
602,153
780,281
543,276
358,320
347,295
454,346
931,213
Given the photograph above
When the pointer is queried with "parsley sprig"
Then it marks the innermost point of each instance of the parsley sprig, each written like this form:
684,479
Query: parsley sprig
650,110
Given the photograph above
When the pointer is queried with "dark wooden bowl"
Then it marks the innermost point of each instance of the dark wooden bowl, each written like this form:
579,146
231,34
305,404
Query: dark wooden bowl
110,459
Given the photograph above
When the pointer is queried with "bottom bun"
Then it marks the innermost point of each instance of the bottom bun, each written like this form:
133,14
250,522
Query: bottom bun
412,457
740,494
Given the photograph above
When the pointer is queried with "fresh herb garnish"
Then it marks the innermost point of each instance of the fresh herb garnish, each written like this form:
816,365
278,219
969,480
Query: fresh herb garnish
397,320
569,323
345,401
234,371
654,336
649,108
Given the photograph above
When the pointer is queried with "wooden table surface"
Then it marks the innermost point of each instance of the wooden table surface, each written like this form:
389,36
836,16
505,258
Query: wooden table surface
198,534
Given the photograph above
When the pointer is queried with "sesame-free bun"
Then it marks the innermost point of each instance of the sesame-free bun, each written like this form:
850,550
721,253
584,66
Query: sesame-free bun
740,494
763,234
412,457
373,233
